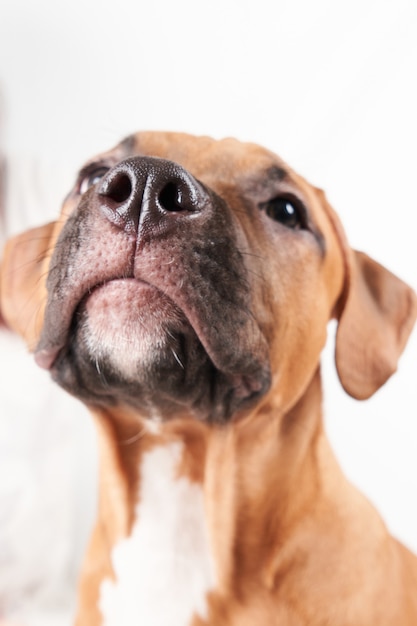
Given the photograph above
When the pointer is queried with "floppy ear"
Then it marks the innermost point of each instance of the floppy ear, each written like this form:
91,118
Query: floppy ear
22,284
374,324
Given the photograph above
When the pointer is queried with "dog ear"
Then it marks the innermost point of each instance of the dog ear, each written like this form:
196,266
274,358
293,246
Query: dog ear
374,324
22,290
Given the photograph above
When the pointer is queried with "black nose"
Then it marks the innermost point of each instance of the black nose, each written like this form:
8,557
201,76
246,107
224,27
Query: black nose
145,189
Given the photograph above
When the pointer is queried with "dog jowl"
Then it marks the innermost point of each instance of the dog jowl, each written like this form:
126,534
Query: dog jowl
184,294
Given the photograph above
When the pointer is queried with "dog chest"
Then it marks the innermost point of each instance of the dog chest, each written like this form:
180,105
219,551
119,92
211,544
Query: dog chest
164,568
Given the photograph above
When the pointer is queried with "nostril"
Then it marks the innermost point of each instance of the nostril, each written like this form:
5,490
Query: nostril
145,191
119,188
171,198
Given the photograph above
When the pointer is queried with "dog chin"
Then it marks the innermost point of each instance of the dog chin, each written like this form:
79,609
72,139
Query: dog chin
131,326
131,344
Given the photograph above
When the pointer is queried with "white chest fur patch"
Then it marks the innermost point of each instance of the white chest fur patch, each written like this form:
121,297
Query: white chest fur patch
164,569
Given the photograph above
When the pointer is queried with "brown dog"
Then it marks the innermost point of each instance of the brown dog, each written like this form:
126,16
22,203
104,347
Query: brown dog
183,296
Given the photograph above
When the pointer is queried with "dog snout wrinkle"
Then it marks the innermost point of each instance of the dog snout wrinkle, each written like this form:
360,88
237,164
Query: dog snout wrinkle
145,190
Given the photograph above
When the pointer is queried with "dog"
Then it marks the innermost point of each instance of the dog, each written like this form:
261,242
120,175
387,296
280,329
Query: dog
183,295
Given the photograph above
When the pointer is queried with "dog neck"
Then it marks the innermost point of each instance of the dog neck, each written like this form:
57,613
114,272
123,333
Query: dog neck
207,515
255,476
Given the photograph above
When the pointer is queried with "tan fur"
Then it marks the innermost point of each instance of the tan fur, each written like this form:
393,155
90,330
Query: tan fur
293,542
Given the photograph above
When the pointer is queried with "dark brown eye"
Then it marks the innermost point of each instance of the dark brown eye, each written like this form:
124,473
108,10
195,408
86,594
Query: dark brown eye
92,178
287,212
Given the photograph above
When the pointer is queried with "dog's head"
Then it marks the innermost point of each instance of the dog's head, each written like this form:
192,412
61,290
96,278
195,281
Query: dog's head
192,276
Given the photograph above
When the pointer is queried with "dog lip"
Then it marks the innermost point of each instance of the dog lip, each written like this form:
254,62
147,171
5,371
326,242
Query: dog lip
246,385
47,350
45,355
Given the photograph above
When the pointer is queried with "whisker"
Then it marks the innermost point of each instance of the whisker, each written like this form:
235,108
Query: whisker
134,438
177,358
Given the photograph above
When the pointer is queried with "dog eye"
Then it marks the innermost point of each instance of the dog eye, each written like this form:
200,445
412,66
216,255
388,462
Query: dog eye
92,178
287,212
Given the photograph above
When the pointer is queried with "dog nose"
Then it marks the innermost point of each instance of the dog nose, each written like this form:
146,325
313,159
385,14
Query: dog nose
147,190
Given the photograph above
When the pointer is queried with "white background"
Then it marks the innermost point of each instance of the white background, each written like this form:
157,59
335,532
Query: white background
330,86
